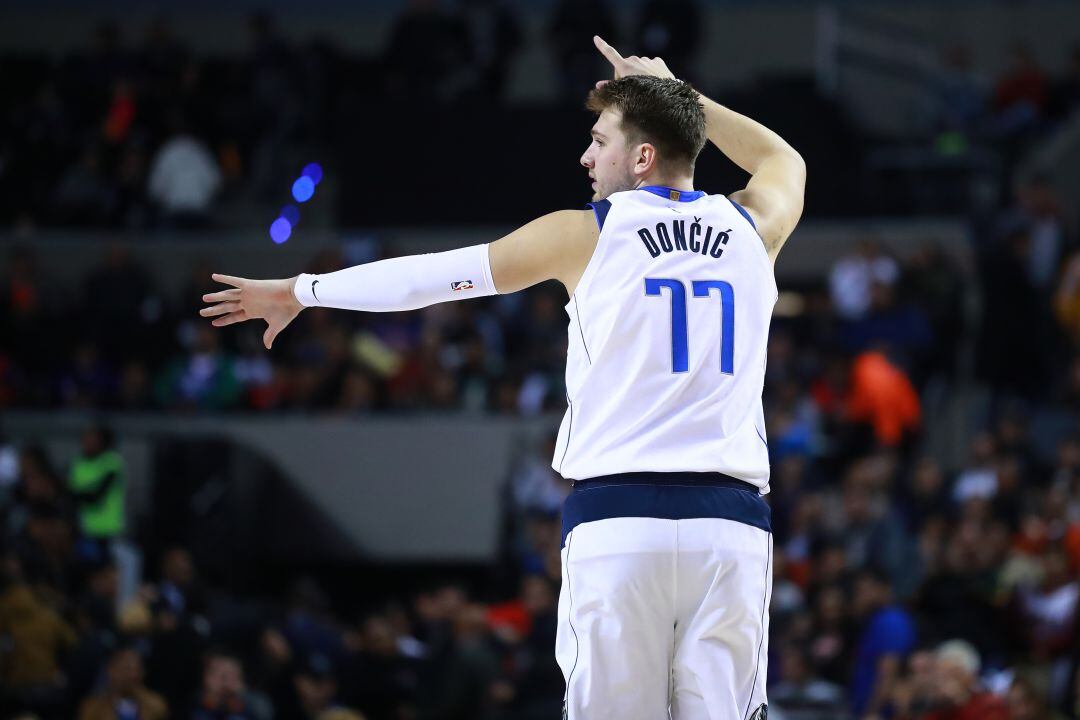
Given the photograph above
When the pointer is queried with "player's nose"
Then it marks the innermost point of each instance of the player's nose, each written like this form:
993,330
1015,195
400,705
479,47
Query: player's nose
586,161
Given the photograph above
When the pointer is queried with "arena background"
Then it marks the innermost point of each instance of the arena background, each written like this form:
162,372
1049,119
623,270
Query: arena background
365,516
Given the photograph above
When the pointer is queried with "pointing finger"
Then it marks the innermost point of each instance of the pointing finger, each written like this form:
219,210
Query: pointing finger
607,51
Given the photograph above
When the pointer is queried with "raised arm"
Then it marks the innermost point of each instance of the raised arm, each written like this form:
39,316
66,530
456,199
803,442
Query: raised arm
554,247
774,195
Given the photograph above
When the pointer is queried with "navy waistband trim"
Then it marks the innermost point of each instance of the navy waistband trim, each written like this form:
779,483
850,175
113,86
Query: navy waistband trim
667,496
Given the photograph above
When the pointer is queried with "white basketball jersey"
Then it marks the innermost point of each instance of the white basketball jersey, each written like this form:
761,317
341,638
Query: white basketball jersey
667,340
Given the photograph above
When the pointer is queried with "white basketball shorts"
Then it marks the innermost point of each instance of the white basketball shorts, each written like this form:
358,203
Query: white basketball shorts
664,607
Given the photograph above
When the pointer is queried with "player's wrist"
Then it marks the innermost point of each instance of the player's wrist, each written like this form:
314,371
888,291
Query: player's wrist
290,293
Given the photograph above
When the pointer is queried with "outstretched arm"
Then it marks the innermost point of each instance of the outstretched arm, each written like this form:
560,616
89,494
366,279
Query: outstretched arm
554,247
774,195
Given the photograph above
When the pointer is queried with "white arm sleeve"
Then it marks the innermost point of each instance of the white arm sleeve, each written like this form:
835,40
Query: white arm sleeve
404,283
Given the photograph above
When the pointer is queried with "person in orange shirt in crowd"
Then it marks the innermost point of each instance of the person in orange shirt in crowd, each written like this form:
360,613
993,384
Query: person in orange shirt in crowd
882,396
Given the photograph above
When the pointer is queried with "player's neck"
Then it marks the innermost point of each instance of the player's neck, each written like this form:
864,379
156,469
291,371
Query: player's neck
678,182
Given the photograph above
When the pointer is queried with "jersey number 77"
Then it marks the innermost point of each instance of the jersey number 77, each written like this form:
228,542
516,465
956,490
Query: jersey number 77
680,334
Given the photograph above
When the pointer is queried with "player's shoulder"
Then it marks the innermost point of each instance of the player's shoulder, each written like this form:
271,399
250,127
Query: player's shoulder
571,219
564,226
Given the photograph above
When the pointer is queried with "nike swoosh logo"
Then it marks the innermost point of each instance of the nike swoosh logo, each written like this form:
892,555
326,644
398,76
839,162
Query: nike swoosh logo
313,284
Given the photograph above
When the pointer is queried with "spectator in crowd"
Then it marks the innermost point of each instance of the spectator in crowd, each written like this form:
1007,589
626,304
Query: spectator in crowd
180,591
853,277
930,280
1038,210
887,637
184,178
121,307
801,695
471,668
1048,610
99,486
25,313
202,379
378,677
884,399
181,628
310,628
913,695
958,692
9,468
224,694
38,489
1021,93
537,681
90,381
1027,701
316,687
84,194
124,695
1067,300
35,641
535,486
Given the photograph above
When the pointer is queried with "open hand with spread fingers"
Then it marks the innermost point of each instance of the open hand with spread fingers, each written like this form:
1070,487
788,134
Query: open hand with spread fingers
269,300
632,65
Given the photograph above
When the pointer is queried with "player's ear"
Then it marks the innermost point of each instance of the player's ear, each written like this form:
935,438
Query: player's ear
646,159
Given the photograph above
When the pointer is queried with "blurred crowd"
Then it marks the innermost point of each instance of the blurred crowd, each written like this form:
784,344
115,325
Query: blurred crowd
140,132
118,341
1025,96
87,633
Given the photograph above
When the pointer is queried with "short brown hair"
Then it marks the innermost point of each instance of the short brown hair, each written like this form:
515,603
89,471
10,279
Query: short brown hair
661,111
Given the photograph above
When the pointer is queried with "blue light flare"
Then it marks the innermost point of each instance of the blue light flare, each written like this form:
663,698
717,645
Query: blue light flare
303,189
313,171
291,213
280,230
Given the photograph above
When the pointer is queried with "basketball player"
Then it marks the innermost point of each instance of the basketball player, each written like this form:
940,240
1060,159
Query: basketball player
667,547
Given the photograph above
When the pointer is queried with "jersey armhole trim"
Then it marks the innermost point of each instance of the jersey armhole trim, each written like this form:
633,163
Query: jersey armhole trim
600,208
742,211
761,244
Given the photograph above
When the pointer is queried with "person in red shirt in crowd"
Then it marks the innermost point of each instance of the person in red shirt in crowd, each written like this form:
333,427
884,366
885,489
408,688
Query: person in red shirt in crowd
958,692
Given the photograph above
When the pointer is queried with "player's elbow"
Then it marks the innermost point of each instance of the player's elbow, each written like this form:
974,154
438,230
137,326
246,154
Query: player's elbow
796,163
795,176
